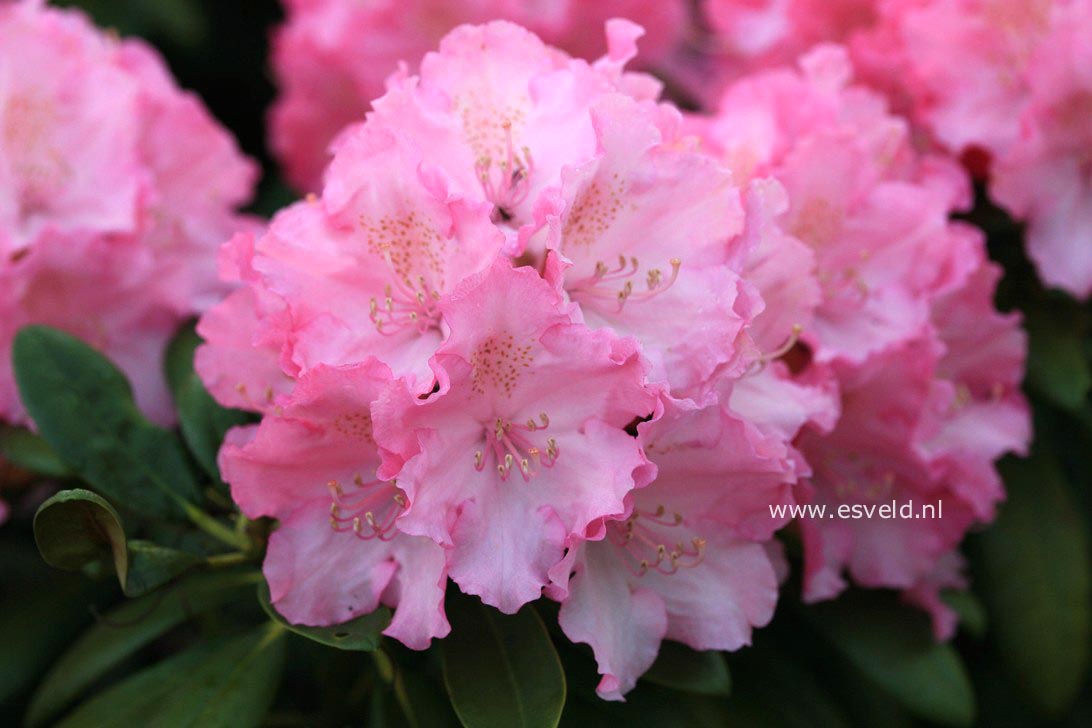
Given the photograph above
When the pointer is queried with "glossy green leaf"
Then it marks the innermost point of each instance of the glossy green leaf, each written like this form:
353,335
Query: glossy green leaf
1032,570
894,647
679,667
151,566
30,452
362,634
501,670
124,630
77,527
84,409
202,421
213,685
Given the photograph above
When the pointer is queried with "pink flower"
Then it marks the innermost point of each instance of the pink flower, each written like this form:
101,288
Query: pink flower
523,446
640,239
115,187
1045,176
357,273
869,459
506,114
689,559
921,425
328,77
874,212
336,554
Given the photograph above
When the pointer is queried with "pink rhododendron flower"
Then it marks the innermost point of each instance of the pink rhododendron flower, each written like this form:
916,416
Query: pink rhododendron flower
524,444
922,425
874,213
1005,81
336,554
641,239
332,57
1045,176
902,333
688,562
115,188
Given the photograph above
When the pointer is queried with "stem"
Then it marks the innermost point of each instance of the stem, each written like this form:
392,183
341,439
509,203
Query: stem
214,528
232,559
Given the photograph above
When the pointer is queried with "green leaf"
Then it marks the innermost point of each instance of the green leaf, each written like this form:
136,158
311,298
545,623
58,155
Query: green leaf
203,422
216,684
77,527
37,620
30,452
1032,570
127,628
151,566
893,647
84,409
969,609
1057,365
679,667
501,670
362,634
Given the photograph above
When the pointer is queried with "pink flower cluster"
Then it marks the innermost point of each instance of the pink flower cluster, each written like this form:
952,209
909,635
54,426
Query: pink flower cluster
1002,84
544,335
116,188
332,57
1006,84
902,328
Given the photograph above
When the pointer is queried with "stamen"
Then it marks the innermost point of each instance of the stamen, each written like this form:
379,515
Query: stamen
641,540
594,287
407,304
512,184
509,446
758,365
369,511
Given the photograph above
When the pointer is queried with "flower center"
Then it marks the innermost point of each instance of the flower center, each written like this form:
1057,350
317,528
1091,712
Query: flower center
644,543
510,446
616,284
368,508
415,254
506,183
406,305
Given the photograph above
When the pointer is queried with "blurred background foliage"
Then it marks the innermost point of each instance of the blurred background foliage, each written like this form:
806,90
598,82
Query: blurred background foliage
1020,658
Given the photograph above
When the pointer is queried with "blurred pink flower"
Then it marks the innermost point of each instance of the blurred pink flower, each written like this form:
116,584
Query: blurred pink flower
115,190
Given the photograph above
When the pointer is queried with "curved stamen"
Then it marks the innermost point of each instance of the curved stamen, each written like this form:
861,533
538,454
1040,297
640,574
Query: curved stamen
641,541
406,305
510,447
368,509
510,187
759,364
595,286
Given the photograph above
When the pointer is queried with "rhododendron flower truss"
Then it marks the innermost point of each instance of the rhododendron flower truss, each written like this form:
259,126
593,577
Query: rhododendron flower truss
689,559
336,553
523,447
115,189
